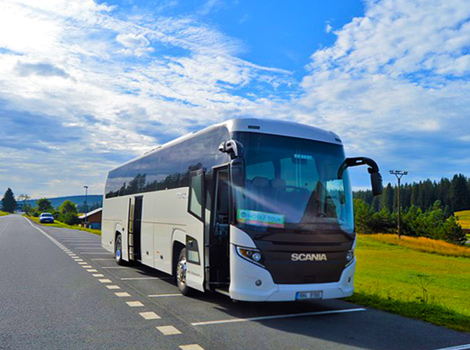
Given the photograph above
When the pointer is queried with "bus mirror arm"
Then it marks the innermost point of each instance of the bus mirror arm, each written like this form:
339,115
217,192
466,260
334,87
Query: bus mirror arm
375,177
233,147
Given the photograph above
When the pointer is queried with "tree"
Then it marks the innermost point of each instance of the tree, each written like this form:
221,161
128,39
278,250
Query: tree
452,232
68,213
68,207
459,193
44,205
8,201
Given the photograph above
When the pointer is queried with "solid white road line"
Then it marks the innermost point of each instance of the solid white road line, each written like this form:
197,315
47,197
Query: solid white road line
149,315
114,267
315,313
164,295
134,303
144,278
168,330
191,347
458,347
122,294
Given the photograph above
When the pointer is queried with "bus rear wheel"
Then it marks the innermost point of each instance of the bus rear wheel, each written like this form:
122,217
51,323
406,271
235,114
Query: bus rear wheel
181,273
118,250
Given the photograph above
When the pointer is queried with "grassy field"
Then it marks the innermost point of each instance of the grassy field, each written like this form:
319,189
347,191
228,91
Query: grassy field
403,280
2,213
464,218
62,225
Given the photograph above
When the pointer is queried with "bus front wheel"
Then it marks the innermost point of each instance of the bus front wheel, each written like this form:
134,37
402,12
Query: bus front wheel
181,273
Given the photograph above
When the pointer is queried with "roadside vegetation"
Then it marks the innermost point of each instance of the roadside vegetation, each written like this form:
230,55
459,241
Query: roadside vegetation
3,213
416,278
62,225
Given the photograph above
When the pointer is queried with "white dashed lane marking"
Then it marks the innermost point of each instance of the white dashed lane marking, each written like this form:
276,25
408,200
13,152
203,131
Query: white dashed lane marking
168,330
92,270
82,263
134,303
149,315
98,275
113,287
105,280
191,347
87,266
122,294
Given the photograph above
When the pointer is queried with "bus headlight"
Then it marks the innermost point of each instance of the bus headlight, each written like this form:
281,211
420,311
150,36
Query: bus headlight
252,255
349,257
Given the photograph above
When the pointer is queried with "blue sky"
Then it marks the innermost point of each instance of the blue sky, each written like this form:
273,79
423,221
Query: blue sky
87,85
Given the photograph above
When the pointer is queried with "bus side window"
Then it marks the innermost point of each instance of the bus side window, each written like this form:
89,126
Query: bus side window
195,193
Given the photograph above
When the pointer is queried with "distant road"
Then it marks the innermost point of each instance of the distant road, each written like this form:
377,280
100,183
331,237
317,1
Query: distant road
60,290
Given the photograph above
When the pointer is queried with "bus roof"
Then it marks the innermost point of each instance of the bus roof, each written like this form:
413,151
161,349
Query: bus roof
262,126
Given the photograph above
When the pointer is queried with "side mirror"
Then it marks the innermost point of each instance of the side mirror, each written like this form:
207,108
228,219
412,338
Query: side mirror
376,183
233,147
375,177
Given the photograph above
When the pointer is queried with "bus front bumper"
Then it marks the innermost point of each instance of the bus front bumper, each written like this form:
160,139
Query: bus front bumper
246,277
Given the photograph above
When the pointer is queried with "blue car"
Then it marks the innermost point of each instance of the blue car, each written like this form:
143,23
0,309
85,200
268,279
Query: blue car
46,218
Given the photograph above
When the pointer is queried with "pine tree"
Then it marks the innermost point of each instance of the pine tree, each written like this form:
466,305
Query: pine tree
459,193
8,202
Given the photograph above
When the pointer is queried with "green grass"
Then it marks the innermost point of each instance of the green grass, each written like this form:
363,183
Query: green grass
464,218
391,278
4,213
62,225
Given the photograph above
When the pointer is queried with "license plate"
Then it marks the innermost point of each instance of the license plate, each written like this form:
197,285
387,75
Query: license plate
309,295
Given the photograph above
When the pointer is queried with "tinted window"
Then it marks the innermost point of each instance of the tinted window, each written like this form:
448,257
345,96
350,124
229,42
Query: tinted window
169,167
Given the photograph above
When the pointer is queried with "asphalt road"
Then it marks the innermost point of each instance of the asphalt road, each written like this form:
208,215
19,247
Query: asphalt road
60,290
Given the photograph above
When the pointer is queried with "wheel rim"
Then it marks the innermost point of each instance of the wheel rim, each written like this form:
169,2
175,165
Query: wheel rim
118,249
181,272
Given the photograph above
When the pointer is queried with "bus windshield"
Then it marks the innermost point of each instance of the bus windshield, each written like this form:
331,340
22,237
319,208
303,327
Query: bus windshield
293,183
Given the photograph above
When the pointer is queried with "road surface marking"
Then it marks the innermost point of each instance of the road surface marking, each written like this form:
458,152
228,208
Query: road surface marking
82,263
114,267
113,287
191,347
144,278
315,313
168,330
87,266
105,280
458,347
77,260
92,270
98,275
164,295
134,303
122,294
149,315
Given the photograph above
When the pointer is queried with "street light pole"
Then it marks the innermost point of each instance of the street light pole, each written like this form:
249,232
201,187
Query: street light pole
399,174
86,205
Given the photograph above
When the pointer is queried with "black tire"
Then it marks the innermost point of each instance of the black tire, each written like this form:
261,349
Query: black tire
180,273
118,250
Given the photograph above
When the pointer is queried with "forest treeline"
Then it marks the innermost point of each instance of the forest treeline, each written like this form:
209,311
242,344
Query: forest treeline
427,209
454,195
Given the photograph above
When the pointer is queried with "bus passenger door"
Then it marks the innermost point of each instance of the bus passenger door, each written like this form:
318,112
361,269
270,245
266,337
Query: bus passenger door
217,232
134,227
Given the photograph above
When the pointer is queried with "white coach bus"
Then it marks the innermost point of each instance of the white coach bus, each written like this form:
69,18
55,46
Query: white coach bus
259,210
